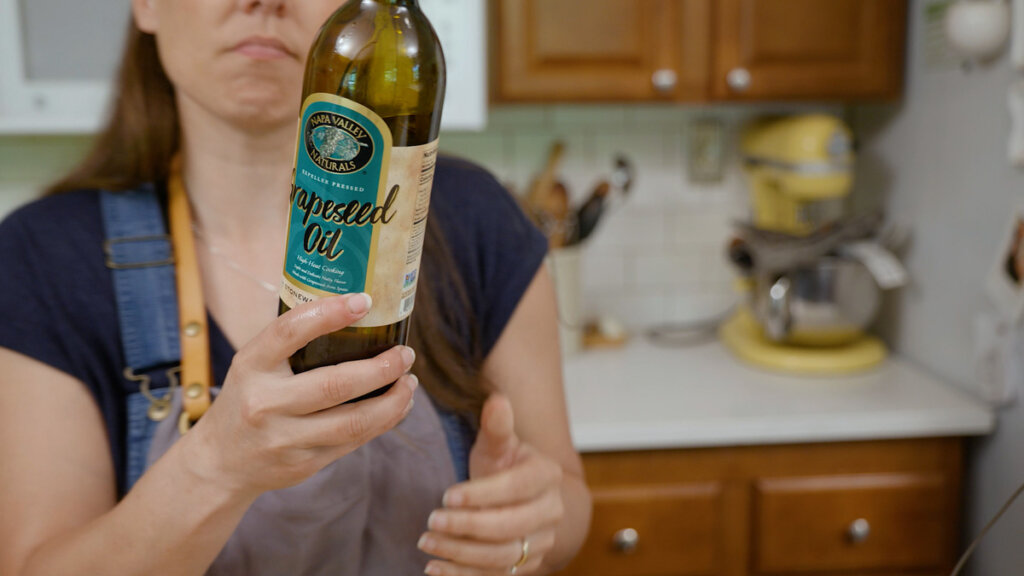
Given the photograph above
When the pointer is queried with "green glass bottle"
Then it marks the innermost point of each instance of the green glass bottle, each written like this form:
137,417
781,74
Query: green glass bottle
364,166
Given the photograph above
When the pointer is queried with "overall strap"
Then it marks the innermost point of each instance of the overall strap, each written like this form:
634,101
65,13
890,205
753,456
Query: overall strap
460,436
138,252
141,260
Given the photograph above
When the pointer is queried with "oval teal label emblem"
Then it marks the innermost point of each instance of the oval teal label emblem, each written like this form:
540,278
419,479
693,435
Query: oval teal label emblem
337,144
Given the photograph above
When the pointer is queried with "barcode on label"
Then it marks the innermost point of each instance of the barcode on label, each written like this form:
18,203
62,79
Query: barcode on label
407,304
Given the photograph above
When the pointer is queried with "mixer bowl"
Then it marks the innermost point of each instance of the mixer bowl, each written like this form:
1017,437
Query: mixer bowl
829,303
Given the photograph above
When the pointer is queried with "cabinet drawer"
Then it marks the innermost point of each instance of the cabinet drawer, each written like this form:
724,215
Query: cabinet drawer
857,522
676,530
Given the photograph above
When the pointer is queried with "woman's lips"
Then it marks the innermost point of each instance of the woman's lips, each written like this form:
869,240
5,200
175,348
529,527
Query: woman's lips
259,48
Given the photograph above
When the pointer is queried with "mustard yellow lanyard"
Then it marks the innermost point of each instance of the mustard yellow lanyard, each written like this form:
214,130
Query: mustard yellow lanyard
196,373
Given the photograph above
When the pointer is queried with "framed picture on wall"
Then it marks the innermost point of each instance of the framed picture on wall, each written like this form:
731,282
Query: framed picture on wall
1005,285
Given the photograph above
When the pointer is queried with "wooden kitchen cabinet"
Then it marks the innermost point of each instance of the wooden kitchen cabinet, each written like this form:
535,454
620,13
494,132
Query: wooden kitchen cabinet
802,49
796,521
884,508
696,50
568,50
680,524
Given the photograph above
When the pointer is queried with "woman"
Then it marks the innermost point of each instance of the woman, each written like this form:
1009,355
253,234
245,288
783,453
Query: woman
217,81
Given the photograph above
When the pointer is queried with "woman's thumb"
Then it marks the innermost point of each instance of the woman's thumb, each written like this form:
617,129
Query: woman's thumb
497,440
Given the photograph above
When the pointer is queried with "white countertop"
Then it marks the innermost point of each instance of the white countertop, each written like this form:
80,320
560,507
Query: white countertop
646,396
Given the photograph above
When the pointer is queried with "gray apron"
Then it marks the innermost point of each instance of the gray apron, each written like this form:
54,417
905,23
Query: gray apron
360,516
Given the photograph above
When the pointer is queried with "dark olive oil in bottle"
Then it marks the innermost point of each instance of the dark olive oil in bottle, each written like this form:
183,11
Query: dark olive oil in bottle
364,167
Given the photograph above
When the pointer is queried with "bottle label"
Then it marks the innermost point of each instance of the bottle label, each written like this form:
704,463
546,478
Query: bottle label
358,211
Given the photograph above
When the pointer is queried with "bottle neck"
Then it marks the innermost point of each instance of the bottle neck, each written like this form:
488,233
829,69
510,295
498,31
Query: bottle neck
405,3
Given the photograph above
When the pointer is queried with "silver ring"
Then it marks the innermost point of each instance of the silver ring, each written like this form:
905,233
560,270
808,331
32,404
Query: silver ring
522,559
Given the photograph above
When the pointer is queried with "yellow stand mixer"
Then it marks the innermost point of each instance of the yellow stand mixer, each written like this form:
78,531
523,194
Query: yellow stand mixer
808,304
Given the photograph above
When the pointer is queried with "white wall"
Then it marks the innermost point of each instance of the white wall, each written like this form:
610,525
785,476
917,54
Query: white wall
661,256
29,163
939,162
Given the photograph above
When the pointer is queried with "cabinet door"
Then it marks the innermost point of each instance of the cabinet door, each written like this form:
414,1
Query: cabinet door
461,26
57,59
671,530
794,49
856,522
568,50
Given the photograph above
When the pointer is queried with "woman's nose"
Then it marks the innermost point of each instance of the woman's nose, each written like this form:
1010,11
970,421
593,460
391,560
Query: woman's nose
268,6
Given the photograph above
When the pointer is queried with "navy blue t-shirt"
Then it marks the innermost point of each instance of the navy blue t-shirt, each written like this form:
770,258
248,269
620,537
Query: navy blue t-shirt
58,296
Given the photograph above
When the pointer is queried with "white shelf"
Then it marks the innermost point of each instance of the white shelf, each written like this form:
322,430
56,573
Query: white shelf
22,125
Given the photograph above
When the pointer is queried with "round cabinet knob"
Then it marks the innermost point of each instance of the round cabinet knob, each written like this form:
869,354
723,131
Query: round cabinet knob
626,540
665,80
858,531
738,79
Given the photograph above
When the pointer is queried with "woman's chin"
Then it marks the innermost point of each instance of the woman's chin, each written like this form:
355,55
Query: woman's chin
262,115
258,119
257,105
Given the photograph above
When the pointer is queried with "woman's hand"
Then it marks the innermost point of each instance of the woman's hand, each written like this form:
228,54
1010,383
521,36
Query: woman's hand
270,428
513,495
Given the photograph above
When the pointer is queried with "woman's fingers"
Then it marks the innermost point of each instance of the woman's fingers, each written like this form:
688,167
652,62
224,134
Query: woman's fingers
499,524
330,386
355,424
445,568
442,568
299,326
488,555
485,555
521,483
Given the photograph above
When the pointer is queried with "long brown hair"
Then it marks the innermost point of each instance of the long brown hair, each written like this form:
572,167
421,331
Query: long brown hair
141,136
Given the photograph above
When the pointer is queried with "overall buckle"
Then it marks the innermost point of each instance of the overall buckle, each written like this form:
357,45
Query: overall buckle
108,250
159,406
